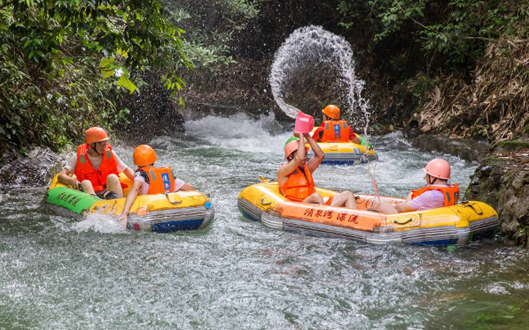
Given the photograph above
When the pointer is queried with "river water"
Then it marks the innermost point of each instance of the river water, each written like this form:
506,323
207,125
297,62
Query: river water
58,273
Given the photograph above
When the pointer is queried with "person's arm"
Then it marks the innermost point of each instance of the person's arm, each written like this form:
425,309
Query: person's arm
186,187
131,197
353,137
317,134
65,178
129,173
315,161
404,207
123,168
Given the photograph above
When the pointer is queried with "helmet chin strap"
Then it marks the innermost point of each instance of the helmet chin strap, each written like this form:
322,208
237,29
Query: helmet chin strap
95,149
430,181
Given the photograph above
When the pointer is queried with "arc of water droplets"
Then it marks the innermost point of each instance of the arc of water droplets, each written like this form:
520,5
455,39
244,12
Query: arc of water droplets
296,46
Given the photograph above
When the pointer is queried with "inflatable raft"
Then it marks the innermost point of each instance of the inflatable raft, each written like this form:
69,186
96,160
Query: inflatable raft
162,213
346,153
456,224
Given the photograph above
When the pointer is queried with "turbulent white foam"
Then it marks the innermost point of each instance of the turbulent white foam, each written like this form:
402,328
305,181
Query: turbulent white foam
238,132
496,288
101,223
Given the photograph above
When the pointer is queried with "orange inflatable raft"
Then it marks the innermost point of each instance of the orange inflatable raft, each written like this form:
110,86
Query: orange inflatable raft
456,224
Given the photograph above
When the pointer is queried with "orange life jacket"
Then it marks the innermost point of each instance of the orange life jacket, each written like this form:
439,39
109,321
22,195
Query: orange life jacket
84,170
335,131
161,179
298,185
450,193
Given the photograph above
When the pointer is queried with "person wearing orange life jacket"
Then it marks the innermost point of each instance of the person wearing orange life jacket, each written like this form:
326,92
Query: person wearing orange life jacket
295,177
333,129
95,167
150,180
436,193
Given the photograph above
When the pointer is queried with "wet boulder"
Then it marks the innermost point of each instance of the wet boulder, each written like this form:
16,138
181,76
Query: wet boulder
34,169
467,149
502,180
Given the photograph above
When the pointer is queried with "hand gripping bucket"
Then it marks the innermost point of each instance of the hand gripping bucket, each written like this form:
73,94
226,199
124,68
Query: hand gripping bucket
304,123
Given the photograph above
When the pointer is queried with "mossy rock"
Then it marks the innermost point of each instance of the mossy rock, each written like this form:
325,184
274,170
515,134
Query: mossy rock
513,146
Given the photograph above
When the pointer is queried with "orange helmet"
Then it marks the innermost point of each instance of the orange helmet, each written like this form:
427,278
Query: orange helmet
95,134
332,111
292,145
438,168
144,155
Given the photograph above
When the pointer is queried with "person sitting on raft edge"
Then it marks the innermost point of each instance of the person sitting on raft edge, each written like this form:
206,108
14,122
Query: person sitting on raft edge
95,167
435,194
150,180
333,129
295,176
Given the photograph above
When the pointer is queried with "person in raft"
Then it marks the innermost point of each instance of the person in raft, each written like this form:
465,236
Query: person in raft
95,167
436,193
333,129
295,176
150,180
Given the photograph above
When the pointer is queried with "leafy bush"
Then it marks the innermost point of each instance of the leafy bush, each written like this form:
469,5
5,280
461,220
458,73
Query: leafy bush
64,63
211,25
452,32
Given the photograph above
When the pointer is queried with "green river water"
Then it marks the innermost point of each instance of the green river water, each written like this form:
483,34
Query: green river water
59,273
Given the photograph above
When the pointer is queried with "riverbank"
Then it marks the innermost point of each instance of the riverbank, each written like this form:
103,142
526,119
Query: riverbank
502,180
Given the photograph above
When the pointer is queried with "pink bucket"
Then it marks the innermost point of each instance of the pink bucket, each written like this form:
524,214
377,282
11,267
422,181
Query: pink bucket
304,123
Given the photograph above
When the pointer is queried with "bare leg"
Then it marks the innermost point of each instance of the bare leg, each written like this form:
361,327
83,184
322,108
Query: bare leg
87,187
345,198
314,199
114,185
384,207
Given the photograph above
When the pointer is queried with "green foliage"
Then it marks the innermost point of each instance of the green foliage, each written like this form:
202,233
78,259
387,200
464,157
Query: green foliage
64,62
210,26
454,31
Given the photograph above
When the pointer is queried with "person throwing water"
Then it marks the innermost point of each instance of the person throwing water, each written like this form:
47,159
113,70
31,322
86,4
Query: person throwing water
295,176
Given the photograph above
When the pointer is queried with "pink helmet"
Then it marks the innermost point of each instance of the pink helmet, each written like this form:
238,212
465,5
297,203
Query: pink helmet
438,168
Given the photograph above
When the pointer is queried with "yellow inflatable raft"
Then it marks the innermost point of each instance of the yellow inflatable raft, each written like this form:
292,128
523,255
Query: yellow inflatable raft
183,210
344,153
456,224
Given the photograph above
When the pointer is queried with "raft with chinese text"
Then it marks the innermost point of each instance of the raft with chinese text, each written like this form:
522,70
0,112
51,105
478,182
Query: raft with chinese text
162,213
456,224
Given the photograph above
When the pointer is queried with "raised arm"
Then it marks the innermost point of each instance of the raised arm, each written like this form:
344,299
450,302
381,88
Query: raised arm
315,161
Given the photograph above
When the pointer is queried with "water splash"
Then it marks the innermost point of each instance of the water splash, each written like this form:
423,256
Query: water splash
312,67
240,132
315,66
100,223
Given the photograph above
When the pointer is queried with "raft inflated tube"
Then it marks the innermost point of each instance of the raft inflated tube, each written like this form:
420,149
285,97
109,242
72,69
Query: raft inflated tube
73,200
346,153
456,224
182,210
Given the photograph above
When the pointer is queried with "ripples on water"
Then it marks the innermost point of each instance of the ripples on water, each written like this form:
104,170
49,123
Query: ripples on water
58,273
